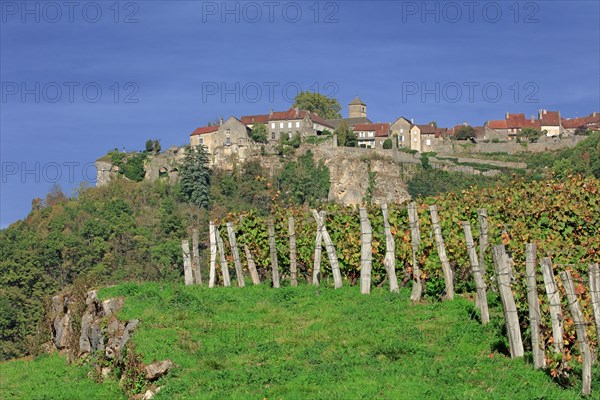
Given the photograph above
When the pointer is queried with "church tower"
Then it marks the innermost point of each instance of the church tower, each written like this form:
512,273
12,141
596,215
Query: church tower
357,109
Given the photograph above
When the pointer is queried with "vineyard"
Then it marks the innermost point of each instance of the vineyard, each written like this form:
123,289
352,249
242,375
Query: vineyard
561,218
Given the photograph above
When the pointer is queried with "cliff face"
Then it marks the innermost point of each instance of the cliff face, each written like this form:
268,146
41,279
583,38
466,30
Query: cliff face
357,175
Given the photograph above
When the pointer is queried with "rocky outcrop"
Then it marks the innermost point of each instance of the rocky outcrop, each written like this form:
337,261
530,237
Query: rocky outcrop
102,335
100,330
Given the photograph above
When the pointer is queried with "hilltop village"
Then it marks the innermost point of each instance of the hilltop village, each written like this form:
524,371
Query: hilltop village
363,157
403,133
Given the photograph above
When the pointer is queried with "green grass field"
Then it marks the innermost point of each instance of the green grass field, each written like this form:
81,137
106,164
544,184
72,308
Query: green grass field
301,343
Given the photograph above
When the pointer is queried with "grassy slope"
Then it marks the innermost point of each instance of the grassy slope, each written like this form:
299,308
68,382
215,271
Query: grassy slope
50,378
306,342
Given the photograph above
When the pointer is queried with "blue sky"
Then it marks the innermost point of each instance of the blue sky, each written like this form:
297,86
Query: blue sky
161,66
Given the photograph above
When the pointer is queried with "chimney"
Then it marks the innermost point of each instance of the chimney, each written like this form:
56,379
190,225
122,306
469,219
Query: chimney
412,120
594,114
271,112
532,118
221,121
506,115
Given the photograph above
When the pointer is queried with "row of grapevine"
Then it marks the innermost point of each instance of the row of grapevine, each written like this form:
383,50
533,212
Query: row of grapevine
562,218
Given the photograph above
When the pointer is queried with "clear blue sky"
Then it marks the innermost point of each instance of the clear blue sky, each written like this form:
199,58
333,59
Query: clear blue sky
175,57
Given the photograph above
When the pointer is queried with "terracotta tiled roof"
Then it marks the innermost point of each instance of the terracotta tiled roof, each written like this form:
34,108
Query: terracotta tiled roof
550,118
440,132
573,123
497,124
294,113
515,120
205,129
426,129
380,129
255,119
590,121
319,120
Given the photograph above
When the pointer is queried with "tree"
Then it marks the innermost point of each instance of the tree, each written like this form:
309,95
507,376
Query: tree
387,143
530,134
351,139
195,176
345,136
258,133
318,103
465,133
153,146
304,181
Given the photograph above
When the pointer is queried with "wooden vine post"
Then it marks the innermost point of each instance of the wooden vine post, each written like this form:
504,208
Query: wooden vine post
196,258
187,263
212,272
250,261
239,274
390,251
535,315
511,316
594,276
318,252
482,217
331,253
366,253
441,248
251,266
415,235
273,252
223,260
554,301
478,274
582,339
293,264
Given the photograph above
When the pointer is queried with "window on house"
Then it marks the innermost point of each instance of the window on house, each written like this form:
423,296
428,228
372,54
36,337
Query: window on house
200,141
401,130
428,142
273,135
297,124
289,134
289,124
272,125
281,124
370,134
402,138
228,137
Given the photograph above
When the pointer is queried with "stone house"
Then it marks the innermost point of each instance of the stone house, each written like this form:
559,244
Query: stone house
423,138
511,125
550,122
228,133
400,129
372,135
295,121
